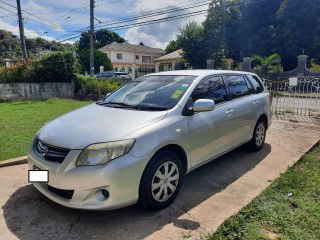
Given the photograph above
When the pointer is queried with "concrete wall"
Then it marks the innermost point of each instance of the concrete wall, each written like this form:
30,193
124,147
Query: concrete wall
300,71
23,91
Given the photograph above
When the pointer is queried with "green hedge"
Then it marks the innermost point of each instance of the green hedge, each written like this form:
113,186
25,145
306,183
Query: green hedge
94,87
55,67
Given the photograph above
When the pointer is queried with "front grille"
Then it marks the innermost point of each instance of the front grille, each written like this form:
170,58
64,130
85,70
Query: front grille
48,152
61,192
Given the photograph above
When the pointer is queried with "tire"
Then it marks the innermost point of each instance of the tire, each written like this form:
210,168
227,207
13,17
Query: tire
156,190
259,136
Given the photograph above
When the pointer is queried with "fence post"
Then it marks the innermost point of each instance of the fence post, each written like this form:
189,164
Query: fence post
210,64
247,64
302,64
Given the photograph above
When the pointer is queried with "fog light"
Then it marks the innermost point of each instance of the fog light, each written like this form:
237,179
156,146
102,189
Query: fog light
105,193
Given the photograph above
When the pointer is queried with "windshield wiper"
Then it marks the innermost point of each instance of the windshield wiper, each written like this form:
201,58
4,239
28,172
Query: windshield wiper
117,105
151,108
139,107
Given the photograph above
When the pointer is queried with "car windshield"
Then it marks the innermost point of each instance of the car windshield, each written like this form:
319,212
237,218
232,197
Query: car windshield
150,93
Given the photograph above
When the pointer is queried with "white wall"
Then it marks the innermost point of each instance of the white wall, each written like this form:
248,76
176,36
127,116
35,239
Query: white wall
130,57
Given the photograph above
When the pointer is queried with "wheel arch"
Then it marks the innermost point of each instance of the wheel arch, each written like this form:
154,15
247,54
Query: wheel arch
170,147
174,148
264,118
178,150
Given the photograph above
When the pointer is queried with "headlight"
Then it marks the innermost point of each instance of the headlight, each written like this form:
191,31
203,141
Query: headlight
102,153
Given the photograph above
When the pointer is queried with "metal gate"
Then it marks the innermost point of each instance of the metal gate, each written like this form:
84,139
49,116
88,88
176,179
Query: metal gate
299,96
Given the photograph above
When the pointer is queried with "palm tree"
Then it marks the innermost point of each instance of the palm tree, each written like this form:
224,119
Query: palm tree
267,65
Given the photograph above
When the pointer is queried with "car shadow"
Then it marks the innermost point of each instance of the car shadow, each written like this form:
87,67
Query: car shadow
30,215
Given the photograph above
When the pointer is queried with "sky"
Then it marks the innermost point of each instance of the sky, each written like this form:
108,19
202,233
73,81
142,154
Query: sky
63,20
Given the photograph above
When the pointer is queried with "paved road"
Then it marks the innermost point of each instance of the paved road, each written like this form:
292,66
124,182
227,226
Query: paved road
208,196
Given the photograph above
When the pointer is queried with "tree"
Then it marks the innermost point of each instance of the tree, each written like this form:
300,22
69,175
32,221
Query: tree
9,46
34,44
191,39
103,37
100,59
172,46
217,38
268,65
297,29
256,28
141,44
221,29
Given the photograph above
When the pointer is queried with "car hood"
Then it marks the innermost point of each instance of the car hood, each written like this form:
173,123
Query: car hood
95,124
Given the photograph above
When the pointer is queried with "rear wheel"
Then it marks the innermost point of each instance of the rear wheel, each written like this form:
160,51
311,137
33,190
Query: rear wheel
259,136
161,180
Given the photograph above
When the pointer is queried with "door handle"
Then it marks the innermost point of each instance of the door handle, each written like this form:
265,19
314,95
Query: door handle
229,112
255,102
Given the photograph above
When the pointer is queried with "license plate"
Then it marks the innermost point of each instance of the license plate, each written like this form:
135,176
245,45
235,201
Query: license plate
45,184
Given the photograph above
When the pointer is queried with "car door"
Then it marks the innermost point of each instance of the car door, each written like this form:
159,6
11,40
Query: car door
211,133
245,107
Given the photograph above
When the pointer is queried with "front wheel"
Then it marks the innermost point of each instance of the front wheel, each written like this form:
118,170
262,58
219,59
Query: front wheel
161,180
259,136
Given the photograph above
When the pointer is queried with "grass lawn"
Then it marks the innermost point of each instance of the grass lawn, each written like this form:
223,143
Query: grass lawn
288,209
19,122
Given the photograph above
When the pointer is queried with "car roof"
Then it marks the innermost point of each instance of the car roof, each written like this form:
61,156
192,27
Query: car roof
200,72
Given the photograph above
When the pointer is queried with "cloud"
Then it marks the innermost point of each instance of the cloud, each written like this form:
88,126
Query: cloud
28,33
160,34
60,18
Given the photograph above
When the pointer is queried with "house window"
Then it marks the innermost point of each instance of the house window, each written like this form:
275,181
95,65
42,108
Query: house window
137,57
146,59
119,55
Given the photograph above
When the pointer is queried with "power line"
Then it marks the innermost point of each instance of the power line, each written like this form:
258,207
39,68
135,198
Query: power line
44,19
154,14
145,15
72,36
149,22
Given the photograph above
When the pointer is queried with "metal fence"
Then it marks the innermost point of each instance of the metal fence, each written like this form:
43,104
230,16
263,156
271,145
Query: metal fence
296,97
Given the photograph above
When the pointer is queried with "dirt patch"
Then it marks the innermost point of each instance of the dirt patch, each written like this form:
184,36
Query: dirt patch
272,235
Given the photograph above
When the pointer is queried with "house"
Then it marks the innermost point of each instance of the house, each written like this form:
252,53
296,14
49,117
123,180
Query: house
171,61
126,57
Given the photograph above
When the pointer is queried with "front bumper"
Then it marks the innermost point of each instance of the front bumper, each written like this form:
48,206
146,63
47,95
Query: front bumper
120,177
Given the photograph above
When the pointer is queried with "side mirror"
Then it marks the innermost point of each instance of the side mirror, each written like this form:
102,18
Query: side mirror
107,95
203,105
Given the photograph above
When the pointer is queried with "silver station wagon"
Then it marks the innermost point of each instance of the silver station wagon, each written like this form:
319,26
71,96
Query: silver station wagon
140,141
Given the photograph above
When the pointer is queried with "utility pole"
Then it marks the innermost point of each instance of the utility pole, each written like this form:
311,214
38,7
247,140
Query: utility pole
21,28
91,38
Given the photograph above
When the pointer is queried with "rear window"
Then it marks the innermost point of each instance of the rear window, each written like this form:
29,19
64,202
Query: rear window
237,86
257,85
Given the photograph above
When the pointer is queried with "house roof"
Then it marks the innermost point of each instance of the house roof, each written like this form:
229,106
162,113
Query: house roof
127,47
173,55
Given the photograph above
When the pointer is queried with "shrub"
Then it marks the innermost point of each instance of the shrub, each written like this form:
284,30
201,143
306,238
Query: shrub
100,59
95,88
55,67
19,72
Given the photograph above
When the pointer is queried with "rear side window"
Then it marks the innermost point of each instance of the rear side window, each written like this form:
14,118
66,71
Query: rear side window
213,88
257,85
237,86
